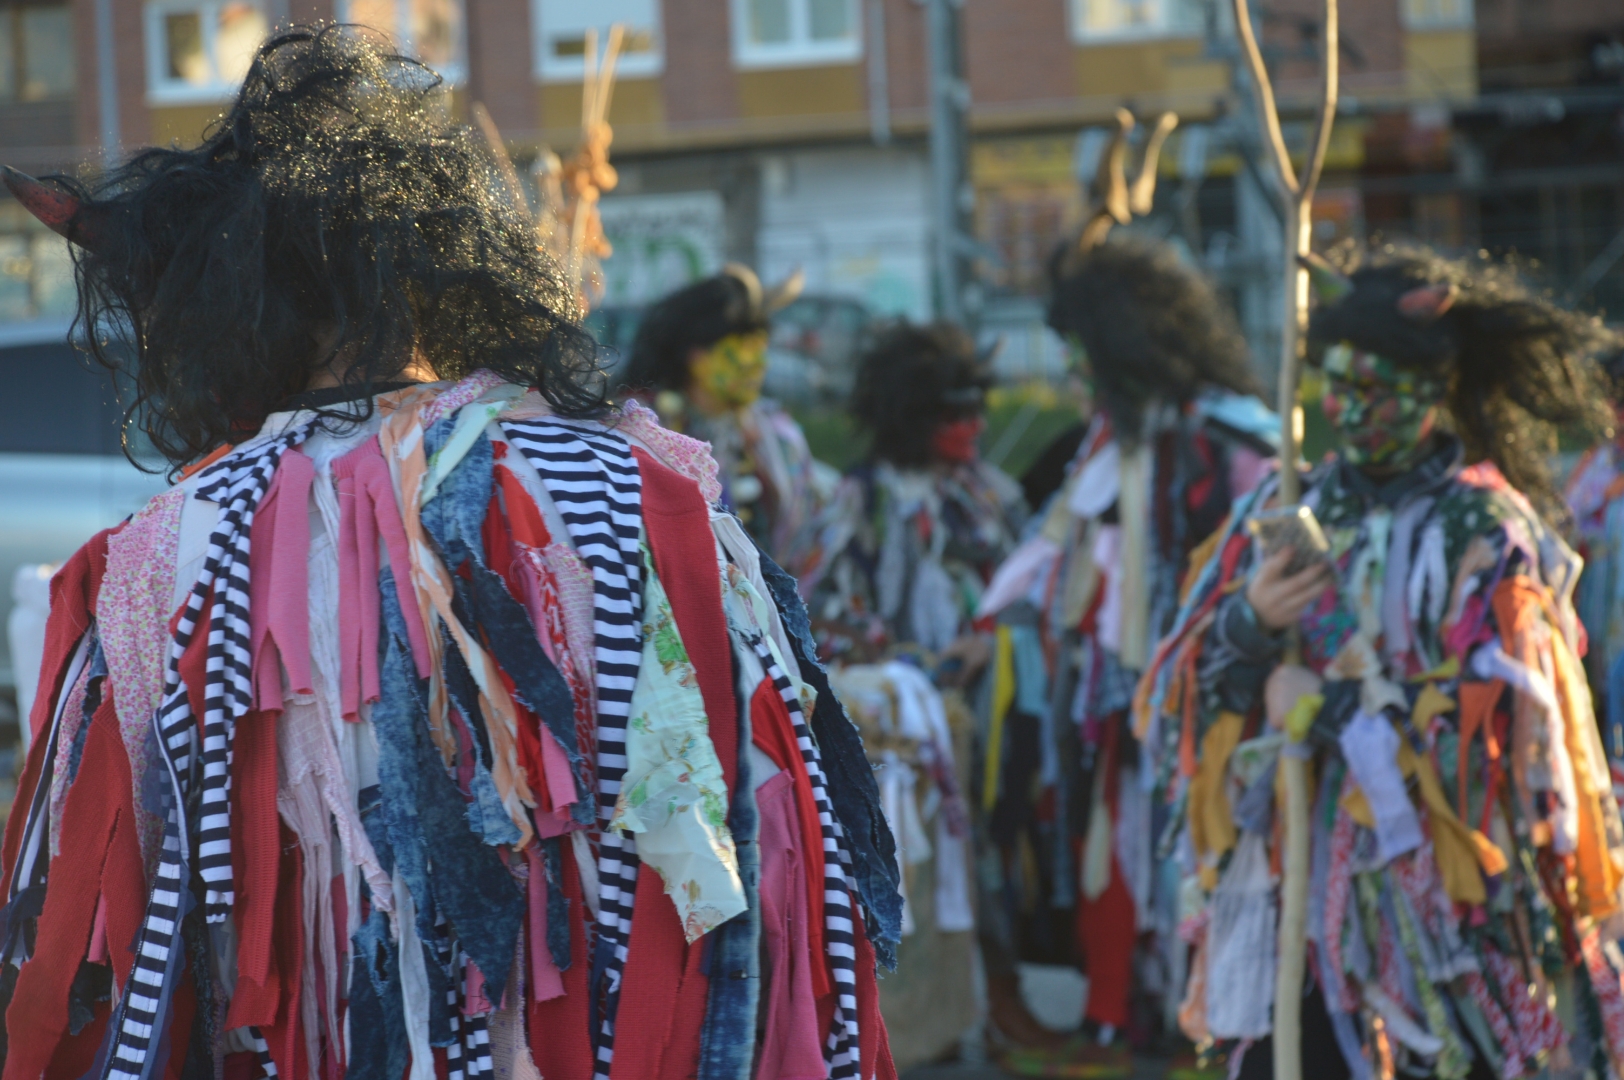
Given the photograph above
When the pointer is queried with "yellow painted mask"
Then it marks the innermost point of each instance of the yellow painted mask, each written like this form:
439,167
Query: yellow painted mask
732,370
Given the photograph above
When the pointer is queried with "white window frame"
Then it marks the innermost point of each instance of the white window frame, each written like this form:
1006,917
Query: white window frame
552,69
162,90
453,74
1164,27
1466,20
800,50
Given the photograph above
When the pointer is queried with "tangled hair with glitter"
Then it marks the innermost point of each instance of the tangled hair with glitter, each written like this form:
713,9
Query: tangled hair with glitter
696,316
1153,326
1520,370
333,219
910,379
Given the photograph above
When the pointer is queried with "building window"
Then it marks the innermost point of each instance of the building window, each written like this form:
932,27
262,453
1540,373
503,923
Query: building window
36,269
36,53
783,33
1437,14
561,26
1126,20
199,52
432,31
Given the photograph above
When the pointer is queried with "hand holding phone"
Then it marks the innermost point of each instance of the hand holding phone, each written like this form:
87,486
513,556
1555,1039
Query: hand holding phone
1295,569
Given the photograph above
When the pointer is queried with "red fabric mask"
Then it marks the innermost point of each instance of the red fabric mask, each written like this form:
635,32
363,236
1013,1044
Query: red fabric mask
955,440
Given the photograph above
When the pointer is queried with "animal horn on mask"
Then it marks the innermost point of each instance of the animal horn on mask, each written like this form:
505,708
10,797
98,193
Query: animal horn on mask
62,212
1330,284
1122,201
746,277
784,293
1427,303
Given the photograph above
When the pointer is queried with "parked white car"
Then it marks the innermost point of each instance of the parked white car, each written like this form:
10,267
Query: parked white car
63,476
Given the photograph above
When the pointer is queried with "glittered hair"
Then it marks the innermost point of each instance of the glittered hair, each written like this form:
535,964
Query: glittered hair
334,218
909,380
1519,369
1153,326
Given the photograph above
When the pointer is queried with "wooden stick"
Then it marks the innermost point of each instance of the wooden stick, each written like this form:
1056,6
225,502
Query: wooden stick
606,74
1299,202
589,78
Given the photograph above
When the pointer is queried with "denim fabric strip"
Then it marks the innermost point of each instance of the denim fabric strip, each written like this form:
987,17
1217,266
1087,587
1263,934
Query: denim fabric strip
728,1039
464,694
852,790
427,818
558,905
454,519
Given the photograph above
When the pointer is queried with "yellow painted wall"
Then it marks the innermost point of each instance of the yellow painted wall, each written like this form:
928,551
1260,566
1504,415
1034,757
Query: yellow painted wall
1164,66
636,104
1440,64
183,124
808,91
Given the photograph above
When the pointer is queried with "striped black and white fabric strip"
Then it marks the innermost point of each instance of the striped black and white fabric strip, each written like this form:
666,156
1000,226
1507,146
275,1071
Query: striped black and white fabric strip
840,1051
237,483
468,1056
262,1051
592,478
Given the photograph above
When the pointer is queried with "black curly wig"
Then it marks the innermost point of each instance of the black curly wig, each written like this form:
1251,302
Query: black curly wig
696,316
334,218
1520,370
1153,326
910,379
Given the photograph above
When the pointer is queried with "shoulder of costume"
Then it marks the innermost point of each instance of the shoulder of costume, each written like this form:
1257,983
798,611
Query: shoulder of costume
1242,418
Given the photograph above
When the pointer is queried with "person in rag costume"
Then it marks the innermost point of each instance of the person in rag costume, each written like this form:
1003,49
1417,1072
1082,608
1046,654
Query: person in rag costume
904,551
700,355
1593,493
432,723
1465,847
1178,432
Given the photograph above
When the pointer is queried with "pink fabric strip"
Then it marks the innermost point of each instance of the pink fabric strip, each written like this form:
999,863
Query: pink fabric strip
279,584
369,510
98,953
546,982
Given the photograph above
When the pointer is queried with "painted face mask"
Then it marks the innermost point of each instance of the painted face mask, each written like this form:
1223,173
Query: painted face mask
1384,414
954,441
732,370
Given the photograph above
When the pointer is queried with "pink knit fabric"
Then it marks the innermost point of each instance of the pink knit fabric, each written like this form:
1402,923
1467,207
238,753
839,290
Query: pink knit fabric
132,615
690,457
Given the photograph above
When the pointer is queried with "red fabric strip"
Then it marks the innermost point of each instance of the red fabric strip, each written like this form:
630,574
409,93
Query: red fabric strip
773,733
560,1029
40,1004
73,600
255,856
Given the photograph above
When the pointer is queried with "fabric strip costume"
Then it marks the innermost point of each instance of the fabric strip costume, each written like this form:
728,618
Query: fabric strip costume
408,620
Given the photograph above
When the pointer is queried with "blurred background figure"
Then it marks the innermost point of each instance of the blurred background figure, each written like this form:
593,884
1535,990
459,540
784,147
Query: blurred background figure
700,356
903,553
1595,495
1179,433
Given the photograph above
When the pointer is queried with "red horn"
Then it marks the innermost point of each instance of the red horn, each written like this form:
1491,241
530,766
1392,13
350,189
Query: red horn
1425,303
59,210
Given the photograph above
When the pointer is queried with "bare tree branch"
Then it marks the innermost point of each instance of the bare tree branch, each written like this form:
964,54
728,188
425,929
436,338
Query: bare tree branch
1328,97
1264,89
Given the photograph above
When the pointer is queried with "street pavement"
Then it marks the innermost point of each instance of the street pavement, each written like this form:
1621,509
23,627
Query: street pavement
1145,1068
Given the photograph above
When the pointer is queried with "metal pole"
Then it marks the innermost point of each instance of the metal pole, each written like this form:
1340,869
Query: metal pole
949,100
879,76
107,83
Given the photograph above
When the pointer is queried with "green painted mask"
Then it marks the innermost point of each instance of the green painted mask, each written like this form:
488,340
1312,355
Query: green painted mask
1384,414
733,369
